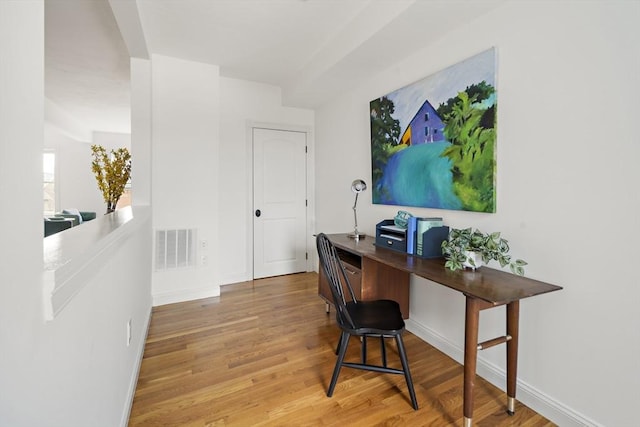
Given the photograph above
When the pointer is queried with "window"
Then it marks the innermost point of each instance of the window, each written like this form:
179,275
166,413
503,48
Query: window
125,199
426,117
49,182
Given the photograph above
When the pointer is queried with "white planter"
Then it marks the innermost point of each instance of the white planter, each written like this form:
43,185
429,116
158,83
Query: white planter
477,259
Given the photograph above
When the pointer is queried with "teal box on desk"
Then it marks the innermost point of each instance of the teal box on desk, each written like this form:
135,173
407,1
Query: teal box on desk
389,235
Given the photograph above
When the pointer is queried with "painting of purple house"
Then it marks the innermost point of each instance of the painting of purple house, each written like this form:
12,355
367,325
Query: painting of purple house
440,157
425,127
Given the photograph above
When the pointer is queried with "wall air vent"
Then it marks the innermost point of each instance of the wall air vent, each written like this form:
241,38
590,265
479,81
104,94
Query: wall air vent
175,249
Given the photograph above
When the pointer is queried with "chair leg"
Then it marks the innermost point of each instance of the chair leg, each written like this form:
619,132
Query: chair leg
338,346
407,373
344,341
383,350
363,349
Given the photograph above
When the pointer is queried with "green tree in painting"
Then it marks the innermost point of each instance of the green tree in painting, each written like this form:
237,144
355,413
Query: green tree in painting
470,127
385,133
479,91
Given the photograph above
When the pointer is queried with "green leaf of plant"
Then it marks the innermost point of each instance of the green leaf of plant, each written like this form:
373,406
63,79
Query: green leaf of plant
452,265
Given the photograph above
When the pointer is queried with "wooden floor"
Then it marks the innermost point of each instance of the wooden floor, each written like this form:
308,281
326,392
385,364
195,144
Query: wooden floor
261,354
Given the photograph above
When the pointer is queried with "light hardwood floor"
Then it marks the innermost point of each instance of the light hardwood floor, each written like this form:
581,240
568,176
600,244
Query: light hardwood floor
261,354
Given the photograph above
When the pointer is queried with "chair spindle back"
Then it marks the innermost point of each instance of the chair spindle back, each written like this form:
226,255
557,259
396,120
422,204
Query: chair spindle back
334,271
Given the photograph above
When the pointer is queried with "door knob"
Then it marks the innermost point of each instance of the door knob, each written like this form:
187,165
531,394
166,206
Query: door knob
258,213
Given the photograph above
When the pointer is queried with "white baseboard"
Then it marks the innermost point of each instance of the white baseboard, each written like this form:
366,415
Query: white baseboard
235,278
136,372
182,295
535,399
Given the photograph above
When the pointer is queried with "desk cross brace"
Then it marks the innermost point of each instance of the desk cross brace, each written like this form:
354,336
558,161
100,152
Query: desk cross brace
490,343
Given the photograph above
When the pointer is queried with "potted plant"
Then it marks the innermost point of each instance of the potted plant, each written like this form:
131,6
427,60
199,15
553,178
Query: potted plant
112,171
472,248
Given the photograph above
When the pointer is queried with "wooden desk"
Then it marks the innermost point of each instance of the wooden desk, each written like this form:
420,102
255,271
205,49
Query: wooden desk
483,289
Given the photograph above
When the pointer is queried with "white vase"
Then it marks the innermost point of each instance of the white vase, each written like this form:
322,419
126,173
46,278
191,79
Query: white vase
476,257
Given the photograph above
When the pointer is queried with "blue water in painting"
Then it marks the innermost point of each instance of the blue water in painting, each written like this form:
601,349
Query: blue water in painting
418,176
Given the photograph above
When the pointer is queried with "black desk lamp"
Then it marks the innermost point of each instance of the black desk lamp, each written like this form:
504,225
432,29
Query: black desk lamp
357,186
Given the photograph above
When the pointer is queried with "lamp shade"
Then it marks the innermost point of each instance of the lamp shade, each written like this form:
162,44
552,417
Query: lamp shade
358,186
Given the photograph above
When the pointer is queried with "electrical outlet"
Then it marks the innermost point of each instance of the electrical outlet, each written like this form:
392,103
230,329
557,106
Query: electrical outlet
204,260
203,244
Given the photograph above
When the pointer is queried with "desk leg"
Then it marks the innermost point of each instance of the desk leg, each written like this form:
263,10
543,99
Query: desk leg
513,314
472,319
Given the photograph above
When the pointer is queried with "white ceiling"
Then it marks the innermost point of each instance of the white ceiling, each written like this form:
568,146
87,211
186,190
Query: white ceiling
87,64
312,49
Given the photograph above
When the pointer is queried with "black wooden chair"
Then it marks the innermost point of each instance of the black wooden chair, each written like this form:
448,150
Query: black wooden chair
380,318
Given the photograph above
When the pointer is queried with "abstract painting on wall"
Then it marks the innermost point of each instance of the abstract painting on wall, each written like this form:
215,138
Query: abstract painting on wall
433,143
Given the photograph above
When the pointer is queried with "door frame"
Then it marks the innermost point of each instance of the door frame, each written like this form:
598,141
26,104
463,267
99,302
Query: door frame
310,187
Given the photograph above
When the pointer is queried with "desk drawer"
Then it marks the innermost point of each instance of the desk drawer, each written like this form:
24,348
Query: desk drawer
354,273
391,242
355,278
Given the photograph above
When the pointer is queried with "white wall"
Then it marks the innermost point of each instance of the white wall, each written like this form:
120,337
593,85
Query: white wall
77,369
201,162
112,140
82,362
21,127
245,104
141,131
567,201
65,122
185,128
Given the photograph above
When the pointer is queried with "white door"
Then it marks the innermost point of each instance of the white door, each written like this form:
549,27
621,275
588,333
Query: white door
279,202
